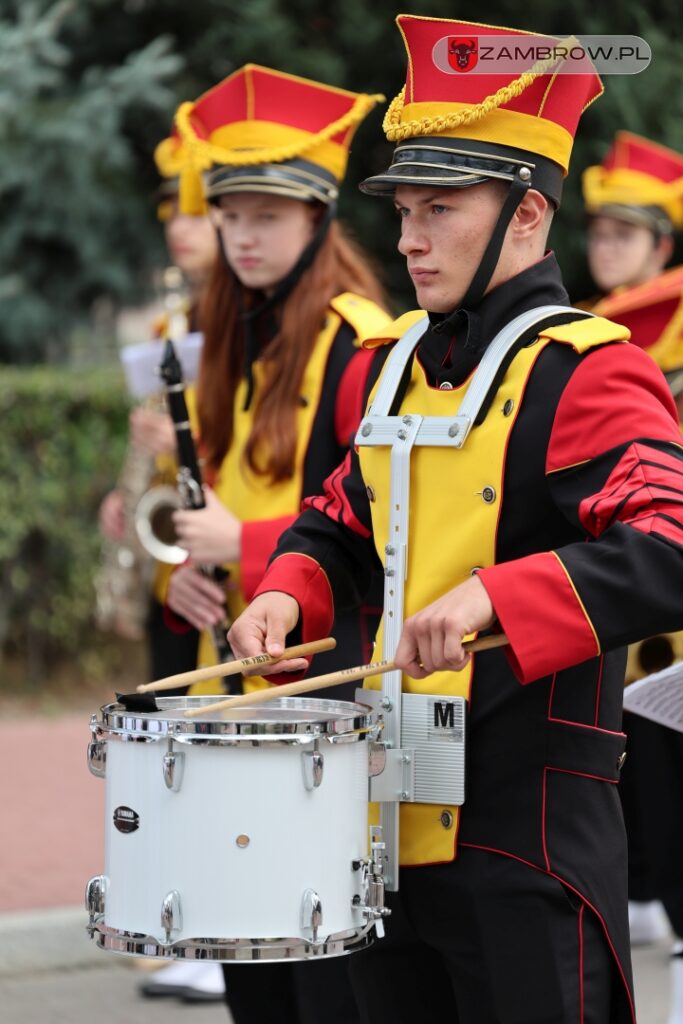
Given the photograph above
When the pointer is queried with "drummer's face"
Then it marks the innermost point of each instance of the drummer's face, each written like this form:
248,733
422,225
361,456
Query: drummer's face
263,235
444,232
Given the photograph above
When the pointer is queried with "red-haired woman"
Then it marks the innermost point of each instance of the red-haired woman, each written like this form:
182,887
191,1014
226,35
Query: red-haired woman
280,388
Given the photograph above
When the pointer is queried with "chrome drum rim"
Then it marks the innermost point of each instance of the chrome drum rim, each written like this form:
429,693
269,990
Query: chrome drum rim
232,950
282,720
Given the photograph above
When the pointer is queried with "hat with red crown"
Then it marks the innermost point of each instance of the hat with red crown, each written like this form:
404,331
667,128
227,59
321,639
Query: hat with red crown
457,129
454,129
262,130
639,182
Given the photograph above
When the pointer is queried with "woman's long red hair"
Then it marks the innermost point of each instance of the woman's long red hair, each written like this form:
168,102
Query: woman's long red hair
339,266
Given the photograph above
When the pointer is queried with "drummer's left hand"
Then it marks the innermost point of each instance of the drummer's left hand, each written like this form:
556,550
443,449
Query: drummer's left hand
211,535
432,640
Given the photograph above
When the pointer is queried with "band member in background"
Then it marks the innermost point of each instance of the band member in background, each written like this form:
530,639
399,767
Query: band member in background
191,243
634,202
559,522
280,387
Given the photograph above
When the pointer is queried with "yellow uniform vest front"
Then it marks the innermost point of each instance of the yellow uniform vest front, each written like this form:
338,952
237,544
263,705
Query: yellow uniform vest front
456,497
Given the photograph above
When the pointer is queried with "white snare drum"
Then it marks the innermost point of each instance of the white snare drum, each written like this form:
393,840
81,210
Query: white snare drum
239,835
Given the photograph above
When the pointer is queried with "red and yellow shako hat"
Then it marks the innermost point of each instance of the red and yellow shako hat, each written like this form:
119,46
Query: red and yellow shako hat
456,129
262,130
639,181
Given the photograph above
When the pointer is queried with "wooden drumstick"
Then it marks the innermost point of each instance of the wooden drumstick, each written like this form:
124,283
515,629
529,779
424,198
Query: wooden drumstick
233,668
345,675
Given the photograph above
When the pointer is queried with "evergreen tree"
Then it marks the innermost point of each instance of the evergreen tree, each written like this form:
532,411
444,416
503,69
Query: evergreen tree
68,178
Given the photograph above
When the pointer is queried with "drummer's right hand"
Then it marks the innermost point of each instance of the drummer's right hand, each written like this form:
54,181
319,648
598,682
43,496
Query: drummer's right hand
264,626
195,598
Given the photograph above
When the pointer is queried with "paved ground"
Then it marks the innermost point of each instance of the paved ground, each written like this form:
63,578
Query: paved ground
97,995
106,993
52,811
52,842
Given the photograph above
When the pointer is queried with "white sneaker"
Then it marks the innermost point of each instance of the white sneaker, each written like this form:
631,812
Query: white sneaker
676,1007
194,981
648,922
207,984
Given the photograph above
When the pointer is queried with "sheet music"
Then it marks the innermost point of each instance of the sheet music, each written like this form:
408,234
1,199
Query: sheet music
141,363
658,697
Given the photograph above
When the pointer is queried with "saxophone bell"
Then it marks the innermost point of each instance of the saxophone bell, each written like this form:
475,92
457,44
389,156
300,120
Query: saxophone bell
154,524
653,655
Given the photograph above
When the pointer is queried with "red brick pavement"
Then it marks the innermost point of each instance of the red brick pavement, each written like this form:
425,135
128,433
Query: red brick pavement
52,812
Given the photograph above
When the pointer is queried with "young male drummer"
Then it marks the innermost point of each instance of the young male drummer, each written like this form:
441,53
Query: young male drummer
559,521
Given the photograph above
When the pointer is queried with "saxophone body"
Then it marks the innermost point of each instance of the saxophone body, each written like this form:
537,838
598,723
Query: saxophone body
124,580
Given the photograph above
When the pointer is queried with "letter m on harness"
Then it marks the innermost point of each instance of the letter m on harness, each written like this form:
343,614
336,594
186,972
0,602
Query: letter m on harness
444,715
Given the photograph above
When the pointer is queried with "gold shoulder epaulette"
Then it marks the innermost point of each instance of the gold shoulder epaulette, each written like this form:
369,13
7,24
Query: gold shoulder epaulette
392,331
364,315
585,334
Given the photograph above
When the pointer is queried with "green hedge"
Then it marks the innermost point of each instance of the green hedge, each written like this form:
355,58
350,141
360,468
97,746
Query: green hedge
63,441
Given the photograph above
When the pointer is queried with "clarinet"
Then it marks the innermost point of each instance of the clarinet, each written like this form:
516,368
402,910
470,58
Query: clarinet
189,481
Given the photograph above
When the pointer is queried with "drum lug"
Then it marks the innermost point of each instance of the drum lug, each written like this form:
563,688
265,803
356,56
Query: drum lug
371,903
312,762
171,915
173,766
95,893
97,758
311,913
97,752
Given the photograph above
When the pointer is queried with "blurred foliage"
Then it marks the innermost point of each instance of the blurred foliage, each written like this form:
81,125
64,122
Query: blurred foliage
68,176
87,88
64,436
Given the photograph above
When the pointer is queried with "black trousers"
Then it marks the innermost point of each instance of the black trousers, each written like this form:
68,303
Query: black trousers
651,790
485,940
316,992
169,652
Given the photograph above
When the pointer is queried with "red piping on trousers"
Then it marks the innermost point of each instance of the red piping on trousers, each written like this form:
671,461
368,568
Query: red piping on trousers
529,864
583,907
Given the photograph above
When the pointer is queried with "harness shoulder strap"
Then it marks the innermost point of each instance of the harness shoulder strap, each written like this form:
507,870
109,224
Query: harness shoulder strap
487,377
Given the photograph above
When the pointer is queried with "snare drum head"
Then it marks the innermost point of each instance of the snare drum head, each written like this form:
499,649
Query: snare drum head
280,717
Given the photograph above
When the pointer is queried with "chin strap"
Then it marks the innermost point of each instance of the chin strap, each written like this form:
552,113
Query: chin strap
484,271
